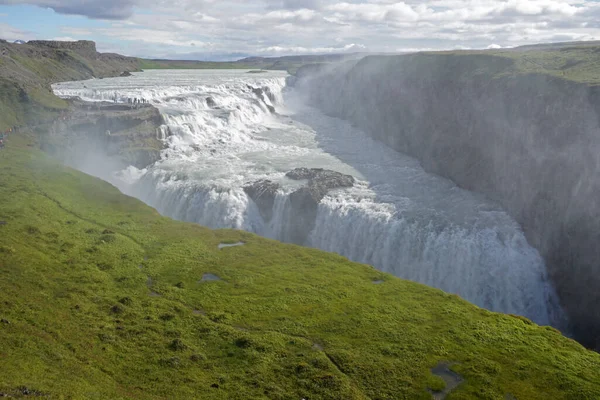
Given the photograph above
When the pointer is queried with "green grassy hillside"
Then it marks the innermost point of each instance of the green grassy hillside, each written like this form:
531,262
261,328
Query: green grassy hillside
102,298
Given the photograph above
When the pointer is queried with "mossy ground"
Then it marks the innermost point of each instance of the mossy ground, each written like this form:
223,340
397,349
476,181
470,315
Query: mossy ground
101,298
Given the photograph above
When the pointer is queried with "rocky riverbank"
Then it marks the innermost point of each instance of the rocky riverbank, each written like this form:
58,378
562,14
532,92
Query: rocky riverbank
124,133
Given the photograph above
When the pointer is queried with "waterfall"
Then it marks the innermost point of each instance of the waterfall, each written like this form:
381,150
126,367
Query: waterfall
225,130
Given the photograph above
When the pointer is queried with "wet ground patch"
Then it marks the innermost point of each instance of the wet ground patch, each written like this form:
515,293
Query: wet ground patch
450,378
227,245
210,278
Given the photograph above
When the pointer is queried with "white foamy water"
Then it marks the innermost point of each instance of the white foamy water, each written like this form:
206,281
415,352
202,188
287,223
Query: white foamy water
398,218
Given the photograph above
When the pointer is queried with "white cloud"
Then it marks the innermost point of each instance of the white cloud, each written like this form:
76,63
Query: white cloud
64,38
313,26
10,33
105,9
349,48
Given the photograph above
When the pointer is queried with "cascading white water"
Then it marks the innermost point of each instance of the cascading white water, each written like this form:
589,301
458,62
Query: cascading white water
398,218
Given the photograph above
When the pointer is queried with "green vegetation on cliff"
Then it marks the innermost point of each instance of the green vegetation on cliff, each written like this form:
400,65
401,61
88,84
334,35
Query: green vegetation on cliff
101,297
579,62
28,70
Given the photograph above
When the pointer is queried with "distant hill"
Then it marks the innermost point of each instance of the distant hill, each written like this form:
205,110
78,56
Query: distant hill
284,63
557,46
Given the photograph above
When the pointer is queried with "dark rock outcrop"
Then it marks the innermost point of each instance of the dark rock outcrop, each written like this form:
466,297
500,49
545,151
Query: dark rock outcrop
211,102
86,48
320,182
528,141
267,91
304,201
263,194
263,94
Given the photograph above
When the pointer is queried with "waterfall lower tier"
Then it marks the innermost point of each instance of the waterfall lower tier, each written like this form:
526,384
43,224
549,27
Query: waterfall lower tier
493,268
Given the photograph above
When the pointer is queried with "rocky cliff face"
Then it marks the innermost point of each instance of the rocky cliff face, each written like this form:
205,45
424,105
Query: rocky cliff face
304,201
528,141
83,47
122,133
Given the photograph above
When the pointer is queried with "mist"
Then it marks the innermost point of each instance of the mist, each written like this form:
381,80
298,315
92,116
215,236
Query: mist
526,141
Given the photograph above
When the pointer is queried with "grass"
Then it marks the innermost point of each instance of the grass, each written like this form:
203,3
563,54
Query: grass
26,105
100,298
578,62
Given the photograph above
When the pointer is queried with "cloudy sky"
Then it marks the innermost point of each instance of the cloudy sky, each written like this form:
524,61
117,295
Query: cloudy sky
231,29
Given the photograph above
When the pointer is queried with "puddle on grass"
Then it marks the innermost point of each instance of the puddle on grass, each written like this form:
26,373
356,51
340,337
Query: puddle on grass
226,245
378,282
451,378
210,278
199,312
152,293
317,346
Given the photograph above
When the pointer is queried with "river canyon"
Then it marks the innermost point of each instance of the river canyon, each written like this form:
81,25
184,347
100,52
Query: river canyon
245,151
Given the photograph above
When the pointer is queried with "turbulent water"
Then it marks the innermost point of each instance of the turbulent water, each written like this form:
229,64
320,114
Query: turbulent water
222,135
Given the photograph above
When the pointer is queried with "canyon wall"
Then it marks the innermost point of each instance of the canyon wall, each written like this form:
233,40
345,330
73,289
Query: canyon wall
531,142
105,133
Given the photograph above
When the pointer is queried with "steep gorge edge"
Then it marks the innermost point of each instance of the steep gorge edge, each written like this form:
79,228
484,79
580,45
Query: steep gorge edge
528,141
